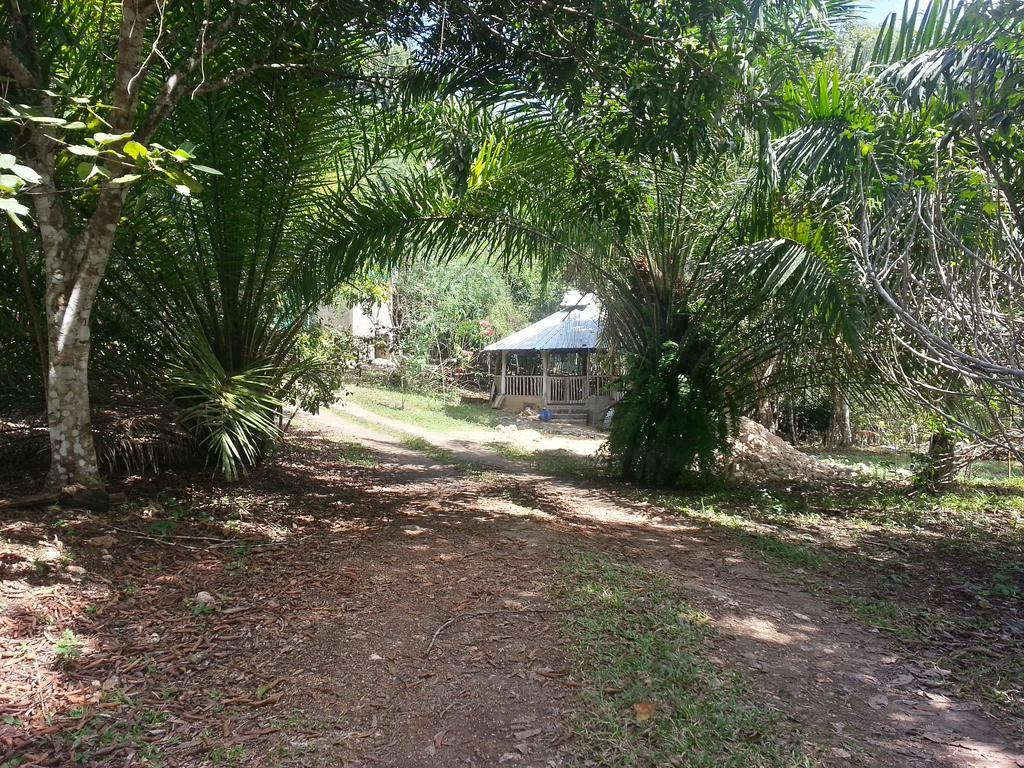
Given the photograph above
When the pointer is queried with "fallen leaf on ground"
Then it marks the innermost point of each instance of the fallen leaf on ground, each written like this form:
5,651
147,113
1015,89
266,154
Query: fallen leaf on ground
644,710
104,542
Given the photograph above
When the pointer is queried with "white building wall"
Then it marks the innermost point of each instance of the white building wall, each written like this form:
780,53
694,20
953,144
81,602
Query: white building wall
357,320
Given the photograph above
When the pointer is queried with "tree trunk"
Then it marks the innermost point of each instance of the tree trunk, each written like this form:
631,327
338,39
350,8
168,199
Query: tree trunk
941,467
72,452
765,414
842,429
74,270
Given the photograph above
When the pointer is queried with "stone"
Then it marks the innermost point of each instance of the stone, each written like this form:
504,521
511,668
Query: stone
49,554
106,541
1014,627
205,598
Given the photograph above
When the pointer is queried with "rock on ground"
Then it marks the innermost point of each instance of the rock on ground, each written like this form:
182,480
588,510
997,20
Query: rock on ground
758,455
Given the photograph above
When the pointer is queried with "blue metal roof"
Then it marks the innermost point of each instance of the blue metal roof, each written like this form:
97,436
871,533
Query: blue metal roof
577,326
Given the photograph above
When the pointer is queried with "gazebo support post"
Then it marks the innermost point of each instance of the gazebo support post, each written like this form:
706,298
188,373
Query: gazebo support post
545,383
504,370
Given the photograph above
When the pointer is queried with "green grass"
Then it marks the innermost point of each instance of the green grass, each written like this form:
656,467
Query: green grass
558,463
432,411
226,755
358,455
412,442
633,642
121,723
887,465
882,614
880,464
907,564
431,451
767,534
68,647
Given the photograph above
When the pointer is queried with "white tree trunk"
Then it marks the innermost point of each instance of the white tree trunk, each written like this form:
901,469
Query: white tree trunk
72,451
68,308
74,270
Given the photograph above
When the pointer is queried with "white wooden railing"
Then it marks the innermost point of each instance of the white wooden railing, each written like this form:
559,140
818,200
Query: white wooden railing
560,389
567,389
599,385
524,386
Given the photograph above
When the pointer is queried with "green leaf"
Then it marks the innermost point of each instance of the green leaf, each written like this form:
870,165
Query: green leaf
7,161
17,221
10,183
28,174
83,151
135,151
177,179
128,178
44,120
206,169
10,205
102,138
86,171
77,125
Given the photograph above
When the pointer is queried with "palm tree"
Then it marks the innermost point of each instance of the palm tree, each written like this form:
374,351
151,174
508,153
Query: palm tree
97,81
315,184
912,154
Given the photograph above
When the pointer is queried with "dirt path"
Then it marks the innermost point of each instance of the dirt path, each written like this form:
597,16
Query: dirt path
389,620
863,701
397,613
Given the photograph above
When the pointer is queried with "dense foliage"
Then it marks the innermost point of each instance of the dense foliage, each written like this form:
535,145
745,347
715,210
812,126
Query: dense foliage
444,317
779,219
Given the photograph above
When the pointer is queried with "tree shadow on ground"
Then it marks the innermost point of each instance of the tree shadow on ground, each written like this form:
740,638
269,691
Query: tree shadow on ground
109,650
285,555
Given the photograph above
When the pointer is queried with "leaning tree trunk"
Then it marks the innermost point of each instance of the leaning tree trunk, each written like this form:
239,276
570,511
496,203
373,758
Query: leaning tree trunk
765,413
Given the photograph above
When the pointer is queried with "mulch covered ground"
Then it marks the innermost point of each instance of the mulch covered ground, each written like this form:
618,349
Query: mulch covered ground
365,606
325,583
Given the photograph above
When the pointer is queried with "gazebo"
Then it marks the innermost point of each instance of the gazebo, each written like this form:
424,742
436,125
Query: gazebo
556,363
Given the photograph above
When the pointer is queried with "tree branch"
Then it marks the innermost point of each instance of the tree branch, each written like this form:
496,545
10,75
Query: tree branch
178,81
11,64
242,73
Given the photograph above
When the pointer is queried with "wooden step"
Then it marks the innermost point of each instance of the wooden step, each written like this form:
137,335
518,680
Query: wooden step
577,417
